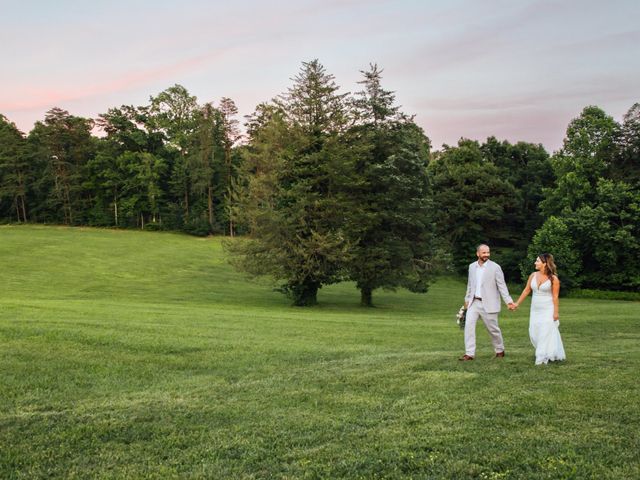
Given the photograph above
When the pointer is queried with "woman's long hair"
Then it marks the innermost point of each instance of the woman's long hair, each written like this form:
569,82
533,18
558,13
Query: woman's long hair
550,268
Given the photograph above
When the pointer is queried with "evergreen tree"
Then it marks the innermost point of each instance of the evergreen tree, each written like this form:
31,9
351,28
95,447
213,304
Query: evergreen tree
387,200
230,135
295,219
205,164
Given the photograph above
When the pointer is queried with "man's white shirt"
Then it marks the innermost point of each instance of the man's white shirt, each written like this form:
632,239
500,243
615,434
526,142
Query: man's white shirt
479,274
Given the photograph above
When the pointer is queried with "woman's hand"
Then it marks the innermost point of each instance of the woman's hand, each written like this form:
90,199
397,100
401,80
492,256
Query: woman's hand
556,317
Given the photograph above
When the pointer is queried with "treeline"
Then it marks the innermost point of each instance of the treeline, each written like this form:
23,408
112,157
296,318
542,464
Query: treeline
166,165
328,186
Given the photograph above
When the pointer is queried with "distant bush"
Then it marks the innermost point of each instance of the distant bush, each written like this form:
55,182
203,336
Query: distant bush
154,227
197,226
604,294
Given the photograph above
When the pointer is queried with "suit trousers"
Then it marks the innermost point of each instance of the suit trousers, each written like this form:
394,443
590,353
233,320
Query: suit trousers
490,321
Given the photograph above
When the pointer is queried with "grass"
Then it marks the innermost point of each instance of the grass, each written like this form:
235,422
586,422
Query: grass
144,355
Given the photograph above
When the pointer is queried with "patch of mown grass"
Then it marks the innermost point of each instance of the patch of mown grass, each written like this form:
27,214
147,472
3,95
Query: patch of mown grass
144,355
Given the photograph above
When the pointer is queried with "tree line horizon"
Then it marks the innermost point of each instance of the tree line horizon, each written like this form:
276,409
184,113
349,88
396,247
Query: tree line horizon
329,186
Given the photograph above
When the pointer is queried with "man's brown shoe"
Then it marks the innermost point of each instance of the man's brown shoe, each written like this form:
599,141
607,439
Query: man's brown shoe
499,354
465,358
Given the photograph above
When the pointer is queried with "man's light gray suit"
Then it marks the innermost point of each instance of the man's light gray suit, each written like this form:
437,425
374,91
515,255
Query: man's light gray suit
492,288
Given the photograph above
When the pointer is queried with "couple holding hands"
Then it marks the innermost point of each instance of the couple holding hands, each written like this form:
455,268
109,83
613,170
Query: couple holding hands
486,285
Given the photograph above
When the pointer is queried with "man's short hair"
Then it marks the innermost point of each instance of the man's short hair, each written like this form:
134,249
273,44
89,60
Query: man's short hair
481,245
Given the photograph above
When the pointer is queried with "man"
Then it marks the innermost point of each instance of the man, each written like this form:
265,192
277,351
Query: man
485,285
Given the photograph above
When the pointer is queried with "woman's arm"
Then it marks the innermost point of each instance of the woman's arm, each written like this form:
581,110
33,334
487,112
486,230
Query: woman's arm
556,303
526,291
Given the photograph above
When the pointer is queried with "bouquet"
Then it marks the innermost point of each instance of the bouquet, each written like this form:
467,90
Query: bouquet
461,316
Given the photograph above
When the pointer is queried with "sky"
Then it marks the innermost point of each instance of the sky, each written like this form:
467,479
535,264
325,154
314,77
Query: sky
519,70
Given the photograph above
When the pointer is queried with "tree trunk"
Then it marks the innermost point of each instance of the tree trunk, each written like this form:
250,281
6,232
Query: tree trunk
366,297
20,198
68,213
230,210
115,208
306,295
210,206
227,155
24,208
186,205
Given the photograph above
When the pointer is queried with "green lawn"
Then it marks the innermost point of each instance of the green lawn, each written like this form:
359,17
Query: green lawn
144,355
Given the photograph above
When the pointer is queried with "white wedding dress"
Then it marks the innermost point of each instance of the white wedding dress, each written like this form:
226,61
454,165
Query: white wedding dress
543,330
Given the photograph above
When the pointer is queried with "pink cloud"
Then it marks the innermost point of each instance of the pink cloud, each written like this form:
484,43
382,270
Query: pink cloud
31,98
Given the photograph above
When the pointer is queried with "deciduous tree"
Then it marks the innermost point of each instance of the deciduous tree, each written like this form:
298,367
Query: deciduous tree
472,201
15,171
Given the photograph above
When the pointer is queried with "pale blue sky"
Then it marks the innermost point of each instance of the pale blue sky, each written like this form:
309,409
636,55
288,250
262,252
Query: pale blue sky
519,70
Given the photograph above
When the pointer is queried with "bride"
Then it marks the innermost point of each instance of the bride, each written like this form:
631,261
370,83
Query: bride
544,319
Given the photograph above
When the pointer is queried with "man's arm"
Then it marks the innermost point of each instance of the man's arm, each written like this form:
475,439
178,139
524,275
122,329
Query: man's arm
467,295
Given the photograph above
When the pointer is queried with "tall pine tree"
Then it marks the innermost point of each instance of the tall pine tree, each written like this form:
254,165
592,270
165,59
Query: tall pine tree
293,211
390,220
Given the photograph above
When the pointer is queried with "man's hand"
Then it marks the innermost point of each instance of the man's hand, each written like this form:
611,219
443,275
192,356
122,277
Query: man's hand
512,306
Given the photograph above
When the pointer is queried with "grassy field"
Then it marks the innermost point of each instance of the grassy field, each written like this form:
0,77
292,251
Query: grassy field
144,355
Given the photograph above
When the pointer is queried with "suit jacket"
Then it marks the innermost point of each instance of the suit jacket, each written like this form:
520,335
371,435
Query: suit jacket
493,286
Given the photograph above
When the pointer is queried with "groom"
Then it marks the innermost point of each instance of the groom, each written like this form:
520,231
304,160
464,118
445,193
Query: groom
485,285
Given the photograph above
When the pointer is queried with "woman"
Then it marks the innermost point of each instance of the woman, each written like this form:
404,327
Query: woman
544,319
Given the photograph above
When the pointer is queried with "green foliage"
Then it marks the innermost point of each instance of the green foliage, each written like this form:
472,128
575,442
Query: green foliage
335,181
16,175
528,168
592,136
324,201
292,206
60,147
158,360
387,203
627,163
588,152
473,202
555,237
186,183
600,212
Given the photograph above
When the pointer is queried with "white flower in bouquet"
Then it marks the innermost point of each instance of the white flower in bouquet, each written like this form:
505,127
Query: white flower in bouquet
461,316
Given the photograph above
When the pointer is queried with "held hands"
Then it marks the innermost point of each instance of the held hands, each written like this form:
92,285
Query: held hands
512,306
